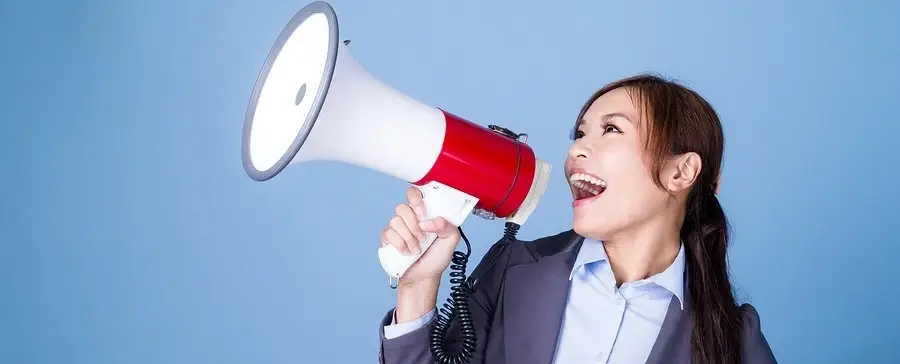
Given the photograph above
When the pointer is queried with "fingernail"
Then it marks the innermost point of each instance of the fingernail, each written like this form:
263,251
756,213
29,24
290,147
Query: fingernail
426,225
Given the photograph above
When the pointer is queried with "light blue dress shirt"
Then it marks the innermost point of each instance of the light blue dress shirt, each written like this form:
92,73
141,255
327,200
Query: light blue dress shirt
603,323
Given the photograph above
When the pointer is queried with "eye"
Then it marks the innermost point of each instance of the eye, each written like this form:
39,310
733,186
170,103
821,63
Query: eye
576,134
610,128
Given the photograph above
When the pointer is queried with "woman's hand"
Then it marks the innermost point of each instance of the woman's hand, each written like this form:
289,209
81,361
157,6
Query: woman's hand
417,290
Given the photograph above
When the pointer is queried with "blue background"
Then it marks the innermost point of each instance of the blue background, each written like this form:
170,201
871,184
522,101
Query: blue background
130,233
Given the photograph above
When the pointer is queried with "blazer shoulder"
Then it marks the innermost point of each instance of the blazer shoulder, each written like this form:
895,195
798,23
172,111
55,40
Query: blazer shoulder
756,347
505,253
563,242
751,318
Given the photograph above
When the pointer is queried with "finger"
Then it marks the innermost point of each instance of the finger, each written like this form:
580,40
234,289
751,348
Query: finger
414,197
399,226
390,237
440,226
410,220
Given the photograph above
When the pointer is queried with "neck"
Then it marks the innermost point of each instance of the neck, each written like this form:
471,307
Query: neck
642,251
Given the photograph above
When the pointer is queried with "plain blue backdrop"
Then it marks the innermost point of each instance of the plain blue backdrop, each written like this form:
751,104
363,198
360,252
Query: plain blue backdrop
130,233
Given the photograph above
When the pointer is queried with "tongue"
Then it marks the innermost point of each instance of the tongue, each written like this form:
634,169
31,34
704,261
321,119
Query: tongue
584,194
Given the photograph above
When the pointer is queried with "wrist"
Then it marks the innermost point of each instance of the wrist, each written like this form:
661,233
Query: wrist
415,299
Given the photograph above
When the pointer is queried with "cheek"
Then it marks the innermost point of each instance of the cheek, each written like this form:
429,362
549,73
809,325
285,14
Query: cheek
624,166
629,178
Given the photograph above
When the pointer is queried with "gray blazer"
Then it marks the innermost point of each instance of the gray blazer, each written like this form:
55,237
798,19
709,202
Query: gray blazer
518,307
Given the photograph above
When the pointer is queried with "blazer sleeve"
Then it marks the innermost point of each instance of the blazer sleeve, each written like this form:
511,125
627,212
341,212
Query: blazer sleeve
414,347
756,348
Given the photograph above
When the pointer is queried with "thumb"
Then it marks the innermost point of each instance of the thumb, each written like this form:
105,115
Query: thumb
440,226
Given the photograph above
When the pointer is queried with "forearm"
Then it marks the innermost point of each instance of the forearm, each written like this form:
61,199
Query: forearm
410,329
406,335
406,328
414,300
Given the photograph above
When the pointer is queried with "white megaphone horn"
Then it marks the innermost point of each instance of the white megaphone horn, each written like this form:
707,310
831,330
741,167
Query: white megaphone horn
313,101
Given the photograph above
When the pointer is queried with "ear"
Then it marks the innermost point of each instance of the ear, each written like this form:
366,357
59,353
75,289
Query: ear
682,172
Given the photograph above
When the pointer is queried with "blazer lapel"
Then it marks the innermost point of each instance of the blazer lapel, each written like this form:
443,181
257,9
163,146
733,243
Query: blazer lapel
534,300
535,296
673,343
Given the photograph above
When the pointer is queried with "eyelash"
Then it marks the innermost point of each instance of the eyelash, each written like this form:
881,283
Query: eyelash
576,134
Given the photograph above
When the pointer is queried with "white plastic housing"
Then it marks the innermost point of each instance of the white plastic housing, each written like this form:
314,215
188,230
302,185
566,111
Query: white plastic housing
362,121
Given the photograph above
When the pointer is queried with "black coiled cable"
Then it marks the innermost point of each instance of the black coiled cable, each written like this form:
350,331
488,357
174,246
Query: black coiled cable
510,232
457,306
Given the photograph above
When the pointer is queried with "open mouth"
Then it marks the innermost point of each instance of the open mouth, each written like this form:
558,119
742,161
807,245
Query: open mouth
585,186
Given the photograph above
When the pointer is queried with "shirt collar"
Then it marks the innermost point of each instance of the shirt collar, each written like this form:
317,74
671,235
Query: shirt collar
591,251
672,278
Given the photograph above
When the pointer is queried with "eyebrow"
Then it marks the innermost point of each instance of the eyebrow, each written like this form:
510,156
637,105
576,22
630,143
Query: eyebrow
605,117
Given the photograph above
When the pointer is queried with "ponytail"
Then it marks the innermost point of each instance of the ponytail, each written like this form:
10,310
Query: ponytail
717,327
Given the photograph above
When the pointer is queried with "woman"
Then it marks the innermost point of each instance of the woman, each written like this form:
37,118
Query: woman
642,276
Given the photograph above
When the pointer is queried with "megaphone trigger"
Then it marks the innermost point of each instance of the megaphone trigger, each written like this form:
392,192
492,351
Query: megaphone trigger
440,201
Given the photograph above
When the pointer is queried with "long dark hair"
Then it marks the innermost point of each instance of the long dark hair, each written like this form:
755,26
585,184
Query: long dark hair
676,120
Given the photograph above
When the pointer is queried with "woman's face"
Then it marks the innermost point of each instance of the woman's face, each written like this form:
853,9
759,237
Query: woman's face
610,182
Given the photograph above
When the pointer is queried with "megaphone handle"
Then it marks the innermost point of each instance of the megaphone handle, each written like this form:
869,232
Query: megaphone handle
440,200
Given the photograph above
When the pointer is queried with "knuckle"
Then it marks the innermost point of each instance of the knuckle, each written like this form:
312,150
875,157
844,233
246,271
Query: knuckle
400,228
414,226
407,214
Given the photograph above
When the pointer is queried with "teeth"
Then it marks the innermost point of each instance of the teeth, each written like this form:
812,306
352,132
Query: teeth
582,177
588,183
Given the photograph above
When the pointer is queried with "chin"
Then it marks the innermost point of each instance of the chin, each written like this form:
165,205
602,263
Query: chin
589,226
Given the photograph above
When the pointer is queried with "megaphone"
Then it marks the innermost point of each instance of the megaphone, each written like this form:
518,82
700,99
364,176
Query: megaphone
313,102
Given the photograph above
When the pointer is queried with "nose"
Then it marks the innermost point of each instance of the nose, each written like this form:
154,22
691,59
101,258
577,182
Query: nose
579,151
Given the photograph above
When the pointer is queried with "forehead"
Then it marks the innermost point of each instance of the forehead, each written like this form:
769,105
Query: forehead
616,103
